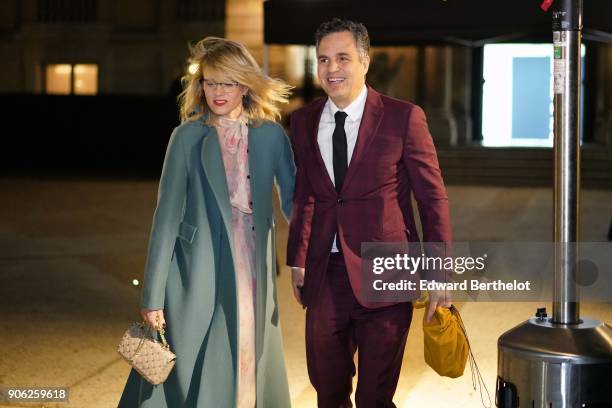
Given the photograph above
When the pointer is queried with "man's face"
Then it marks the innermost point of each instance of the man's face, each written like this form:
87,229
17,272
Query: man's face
341,68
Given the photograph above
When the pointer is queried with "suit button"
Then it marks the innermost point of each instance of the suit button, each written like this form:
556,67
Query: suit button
253,228
340,200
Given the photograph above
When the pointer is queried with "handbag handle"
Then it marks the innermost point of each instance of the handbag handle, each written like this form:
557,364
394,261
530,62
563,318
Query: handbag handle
161,333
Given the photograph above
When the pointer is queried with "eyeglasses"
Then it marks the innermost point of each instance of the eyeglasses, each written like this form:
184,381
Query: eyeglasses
226,87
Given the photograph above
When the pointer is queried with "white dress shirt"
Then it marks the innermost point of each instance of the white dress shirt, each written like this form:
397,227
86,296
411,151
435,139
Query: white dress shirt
327,125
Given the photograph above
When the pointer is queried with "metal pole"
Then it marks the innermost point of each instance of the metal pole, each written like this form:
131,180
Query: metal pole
567,32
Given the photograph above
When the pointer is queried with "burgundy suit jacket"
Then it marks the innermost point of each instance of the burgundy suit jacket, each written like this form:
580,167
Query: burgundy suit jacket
394,156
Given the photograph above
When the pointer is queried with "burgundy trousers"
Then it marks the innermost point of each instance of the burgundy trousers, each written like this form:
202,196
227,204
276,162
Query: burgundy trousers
337,326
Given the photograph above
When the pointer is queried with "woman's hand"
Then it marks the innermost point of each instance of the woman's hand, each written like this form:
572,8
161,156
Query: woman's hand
154,318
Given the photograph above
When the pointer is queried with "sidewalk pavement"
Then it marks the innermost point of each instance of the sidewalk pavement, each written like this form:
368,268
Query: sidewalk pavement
70,251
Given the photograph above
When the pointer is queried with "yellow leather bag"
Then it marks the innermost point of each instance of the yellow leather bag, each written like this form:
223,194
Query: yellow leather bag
446,345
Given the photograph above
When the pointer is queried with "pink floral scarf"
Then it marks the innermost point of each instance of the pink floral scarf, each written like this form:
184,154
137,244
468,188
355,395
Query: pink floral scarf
233,137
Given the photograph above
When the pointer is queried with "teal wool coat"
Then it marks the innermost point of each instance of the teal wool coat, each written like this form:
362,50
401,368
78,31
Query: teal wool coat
190,271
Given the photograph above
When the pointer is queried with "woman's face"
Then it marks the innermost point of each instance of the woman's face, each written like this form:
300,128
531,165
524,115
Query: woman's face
223,96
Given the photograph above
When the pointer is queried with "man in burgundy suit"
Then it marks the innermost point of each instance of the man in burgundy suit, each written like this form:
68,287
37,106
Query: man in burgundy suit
359,157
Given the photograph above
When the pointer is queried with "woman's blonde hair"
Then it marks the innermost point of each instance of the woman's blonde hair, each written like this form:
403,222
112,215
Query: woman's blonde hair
232,60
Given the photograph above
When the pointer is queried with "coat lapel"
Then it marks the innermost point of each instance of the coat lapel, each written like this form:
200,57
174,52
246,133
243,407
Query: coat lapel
212,162
372,116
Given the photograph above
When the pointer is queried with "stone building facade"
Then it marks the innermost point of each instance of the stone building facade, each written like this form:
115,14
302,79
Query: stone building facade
138,46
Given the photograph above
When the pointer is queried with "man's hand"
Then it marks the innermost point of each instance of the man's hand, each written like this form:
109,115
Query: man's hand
437,298
297,282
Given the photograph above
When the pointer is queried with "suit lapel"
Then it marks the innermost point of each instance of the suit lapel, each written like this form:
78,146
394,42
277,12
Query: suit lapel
313,120
372,116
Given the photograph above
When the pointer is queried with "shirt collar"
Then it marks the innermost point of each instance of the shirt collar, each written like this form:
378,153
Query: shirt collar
355,108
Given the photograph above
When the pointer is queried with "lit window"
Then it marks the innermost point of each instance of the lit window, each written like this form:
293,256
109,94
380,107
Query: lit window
58,79
85,79
518,95
66,79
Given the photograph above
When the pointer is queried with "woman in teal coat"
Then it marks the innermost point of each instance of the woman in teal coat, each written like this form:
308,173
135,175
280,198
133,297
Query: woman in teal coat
210,276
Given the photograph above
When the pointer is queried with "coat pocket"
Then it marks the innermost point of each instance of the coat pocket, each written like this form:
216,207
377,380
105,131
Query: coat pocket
187,232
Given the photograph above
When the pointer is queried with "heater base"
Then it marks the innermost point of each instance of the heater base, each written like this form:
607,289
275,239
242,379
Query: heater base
546,365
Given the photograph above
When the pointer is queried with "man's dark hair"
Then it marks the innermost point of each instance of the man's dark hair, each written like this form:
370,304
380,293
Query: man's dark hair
338,25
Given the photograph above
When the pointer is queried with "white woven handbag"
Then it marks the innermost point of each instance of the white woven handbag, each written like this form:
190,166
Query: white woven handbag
150,358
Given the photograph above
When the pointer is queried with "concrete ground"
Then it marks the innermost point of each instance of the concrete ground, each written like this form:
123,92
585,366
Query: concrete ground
70,251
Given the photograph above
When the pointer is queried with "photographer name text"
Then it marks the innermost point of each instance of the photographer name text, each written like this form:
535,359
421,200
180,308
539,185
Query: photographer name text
467,284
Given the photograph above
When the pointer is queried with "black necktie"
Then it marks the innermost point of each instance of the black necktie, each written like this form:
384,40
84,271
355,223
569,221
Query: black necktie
340,150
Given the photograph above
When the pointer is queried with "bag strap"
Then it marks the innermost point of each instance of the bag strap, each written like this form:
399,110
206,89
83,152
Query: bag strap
474,370
149,334
161,333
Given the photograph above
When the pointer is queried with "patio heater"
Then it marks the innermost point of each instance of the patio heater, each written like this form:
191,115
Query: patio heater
563,361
